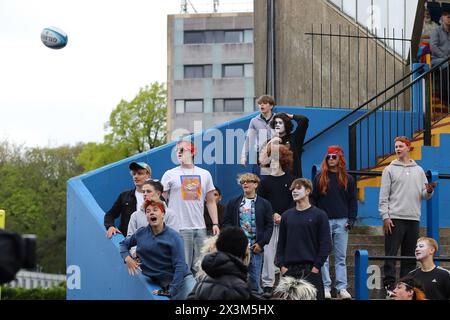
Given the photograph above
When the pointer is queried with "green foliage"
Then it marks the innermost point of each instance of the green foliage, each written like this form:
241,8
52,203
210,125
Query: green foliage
140,124
133,127
33,193
55,293
95,155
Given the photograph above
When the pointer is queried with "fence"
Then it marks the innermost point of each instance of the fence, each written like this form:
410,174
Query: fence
31,280
348,67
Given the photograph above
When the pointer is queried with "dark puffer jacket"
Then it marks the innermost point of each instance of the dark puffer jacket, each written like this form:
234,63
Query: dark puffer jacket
226,279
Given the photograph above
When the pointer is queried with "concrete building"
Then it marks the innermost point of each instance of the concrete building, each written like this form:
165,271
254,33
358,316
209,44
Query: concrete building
311,68
210,70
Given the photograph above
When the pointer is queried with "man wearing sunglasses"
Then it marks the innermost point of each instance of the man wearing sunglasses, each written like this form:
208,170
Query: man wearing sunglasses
335,193
253,214
187,187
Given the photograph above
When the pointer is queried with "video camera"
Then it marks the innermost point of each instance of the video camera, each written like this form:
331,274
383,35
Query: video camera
16,252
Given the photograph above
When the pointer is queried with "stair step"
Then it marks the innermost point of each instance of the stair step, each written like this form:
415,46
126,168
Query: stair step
440,127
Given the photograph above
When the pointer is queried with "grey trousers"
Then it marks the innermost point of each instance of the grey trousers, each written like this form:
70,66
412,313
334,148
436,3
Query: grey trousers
270,251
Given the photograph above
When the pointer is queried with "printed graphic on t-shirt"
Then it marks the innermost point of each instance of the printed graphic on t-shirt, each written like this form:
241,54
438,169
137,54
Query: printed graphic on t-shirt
191,187
247,220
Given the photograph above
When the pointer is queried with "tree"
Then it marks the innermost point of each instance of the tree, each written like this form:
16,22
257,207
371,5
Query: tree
140,124
33,193
134,127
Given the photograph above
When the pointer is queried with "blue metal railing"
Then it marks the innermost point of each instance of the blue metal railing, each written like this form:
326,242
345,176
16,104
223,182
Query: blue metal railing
362,257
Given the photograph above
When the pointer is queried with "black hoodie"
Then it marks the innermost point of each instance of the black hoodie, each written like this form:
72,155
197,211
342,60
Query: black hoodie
226,279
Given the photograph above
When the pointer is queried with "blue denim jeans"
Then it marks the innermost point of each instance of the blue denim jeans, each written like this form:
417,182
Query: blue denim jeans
254,272
193,242
185,288
339,238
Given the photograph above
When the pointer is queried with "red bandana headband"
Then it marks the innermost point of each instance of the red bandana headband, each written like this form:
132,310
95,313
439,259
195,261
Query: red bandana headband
335,150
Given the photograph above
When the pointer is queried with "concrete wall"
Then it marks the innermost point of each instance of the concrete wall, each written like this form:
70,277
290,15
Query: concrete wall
216,54
299,72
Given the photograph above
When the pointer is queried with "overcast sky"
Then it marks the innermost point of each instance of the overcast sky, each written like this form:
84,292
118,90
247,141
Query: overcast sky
54,97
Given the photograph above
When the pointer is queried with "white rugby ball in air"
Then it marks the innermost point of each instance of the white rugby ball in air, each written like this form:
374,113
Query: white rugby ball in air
54,38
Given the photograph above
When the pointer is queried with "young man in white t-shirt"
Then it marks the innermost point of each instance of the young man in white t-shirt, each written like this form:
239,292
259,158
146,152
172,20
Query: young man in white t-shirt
186,187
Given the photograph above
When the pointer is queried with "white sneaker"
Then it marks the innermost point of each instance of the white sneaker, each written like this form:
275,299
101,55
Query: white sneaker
327,294
343,294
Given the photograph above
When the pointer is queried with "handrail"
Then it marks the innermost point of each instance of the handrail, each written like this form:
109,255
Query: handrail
362,263
444,176
363,105
366,118
409,85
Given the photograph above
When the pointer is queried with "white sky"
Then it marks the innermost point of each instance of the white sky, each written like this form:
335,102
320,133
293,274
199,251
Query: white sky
53,97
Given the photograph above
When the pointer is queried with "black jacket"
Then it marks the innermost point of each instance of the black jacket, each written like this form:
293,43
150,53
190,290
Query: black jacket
263,217
294,141
226,279
124,207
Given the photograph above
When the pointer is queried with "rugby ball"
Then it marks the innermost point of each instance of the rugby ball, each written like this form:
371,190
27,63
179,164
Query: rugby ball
54,38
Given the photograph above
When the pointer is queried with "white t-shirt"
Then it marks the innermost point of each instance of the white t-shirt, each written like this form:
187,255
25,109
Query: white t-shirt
187,192
140,199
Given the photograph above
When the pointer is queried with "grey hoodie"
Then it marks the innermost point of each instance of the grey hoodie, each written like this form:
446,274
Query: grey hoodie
402,190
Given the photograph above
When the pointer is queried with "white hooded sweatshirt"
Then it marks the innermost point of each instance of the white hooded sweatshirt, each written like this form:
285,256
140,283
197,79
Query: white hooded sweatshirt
402,191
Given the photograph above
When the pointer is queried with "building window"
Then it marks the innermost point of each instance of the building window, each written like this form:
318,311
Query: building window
237,70
188,106
234,36
233,105
218,36
179,106
228,105
198,71
194,37
233,70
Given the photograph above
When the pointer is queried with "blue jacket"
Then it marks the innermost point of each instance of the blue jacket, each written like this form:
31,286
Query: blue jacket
162,256
263,217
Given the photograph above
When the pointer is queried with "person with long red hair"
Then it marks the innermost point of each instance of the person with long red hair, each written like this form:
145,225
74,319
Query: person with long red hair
335,193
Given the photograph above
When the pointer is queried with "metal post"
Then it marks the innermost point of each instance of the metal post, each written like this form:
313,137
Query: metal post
427,113
433,210
352,147
361,265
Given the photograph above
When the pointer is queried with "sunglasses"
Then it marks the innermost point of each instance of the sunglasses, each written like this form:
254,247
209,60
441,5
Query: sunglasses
247,181
332,156
182,150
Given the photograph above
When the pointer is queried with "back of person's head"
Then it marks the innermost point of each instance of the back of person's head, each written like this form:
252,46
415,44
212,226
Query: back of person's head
209,246
284,155
232,240
431,242
290,288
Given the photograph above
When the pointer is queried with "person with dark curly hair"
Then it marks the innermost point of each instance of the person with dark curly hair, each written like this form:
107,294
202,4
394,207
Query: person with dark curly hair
286,135
275,189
